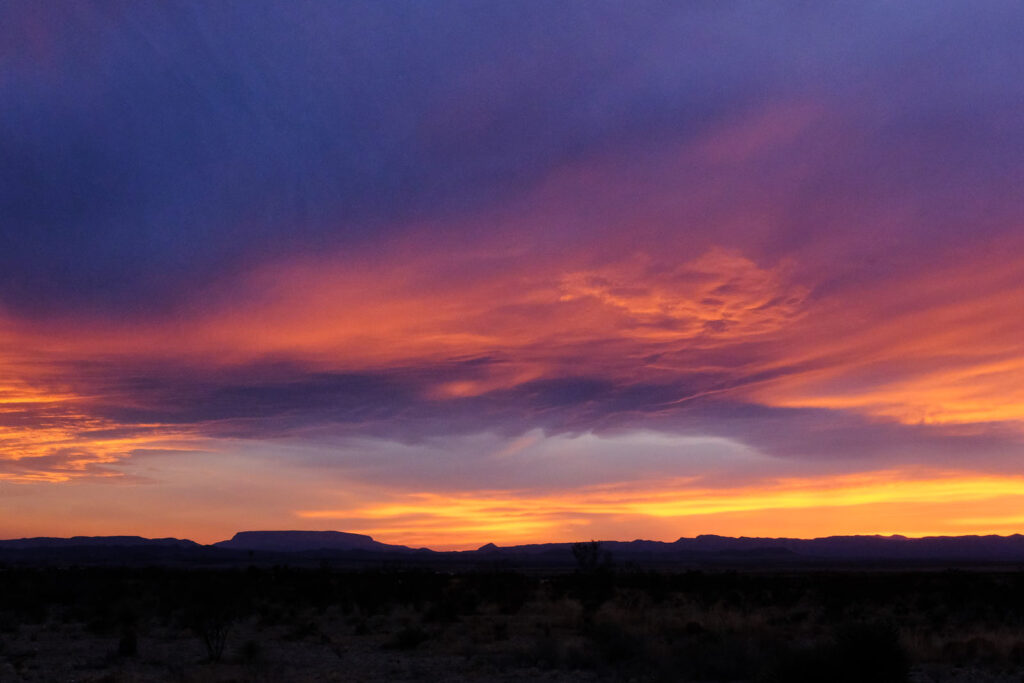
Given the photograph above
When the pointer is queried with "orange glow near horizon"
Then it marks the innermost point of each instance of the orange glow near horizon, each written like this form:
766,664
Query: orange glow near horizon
868,503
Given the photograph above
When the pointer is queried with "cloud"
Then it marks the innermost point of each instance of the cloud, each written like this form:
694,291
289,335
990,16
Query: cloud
396,241
149,151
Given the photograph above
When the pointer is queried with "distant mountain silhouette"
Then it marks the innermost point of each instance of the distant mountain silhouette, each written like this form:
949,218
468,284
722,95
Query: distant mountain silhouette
96,541
303,541
313,546
872,547
846,548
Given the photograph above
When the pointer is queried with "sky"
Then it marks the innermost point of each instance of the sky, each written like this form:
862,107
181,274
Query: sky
453,273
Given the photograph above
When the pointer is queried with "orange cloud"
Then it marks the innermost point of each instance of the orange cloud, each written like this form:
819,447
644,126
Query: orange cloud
923,348
49,433
942,345
538,318
937,342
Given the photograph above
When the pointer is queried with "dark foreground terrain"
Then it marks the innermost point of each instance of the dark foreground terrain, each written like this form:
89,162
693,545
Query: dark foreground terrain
593,622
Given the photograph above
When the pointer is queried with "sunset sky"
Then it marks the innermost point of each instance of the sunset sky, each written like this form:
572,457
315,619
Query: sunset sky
450,273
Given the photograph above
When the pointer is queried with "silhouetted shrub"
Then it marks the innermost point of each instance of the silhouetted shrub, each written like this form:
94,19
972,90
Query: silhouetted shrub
543,652
407,638
618,646
593,589
872,651
508,590
303,630
214,607
128,644
587,555
442,611
1017,653
970,650
710,656
861,651
803,664
361,627
250,652
213,630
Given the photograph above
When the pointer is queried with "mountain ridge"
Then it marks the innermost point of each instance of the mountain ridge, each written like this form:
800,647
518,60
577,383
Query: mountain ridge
972,547
95,541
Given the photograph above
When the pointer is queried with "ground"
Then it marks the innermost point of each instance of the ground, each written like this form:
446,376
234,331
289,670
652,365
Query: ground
281,624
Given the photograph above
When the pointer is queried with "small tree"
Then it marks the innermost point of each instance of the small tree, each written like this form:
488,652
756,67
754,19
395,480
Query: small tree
588,555
593,579
212,628
214,607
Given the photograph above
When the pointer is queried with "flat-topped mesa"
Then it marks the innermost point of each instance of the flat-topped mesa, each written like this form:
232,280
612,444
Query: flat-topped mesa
298,541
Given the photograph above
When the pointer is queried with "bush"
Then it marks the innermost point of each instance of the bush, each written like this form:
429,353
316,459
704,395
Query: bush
213,611
408,638
250,652
128,645
862,651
